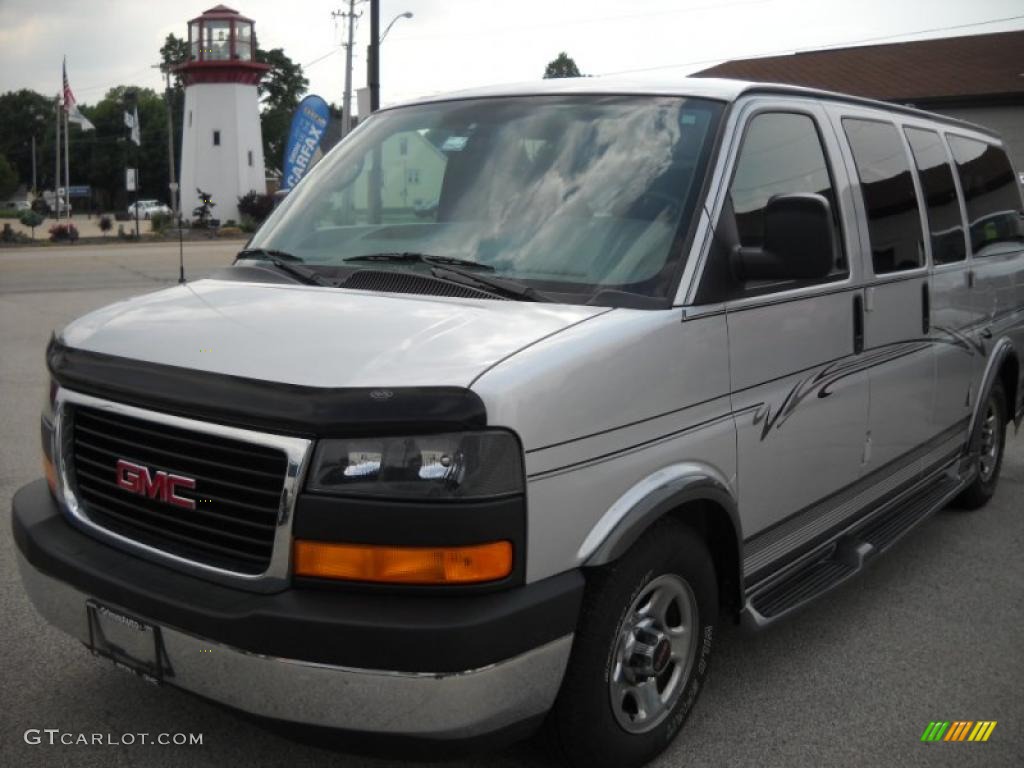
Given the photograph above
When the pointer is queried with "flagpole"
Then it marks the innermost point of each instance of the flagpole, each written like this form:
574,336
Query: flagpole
56,173
67,171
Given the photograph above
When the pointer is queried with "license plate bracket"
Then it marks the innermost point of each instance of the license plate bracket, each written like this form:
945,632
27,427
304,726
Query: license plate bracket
134,645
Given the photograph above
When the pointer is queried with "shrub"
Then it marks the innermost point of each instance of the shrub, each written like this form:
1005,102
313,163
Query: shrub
248,224
256,205
229,231
161,221
8,235
63,233
105,224
30,219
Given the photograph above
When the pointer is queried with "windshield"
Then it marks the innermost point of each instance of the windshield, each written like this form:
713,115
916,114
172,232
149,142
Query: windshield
570,195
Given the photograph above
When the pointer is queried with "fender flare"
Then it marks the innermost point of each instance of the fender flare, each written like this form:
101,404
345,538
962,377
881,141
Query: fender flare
652,498
1001,350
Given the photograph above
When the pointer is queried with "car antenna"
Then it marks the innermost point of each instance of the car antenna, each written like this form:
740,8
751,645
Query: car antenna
181,253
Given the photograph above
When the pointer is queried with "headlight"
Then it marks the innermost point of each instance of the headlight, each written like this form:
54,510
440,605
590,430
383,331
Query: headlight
467,465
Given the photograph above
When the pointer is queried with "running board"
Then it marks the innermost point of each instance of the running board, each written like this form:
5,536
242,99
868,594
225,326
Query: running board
847,556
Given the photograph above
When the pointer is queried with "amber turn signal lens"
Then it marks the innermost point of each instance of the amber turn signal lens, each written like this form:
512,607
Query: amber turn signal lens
404,565
51,474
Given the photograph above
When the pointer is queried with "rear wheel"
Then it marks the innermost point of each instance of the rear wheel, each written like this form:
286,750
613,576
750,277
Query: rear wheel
991,441
641,652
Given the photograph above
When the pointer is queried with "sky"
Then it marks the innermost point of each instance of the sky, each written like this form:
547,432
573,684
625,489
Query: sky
454,44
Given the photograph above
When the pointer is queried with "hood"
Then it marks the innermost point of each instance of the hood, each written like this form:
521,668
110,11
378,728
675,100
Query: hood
320,337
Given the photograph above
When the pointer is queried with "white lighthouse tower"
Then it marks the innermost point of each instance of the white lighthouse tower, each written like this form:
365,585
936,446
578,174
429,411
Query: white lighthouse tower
222,144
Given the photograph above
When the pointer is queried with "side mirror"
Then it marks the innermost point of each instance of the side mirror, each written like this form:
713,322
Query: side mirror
798,241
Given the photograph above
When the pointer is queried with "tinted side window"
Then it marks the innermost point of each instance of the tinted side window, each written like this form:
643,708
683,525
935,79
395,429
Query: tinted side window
946,228
990,191
894,224
781,154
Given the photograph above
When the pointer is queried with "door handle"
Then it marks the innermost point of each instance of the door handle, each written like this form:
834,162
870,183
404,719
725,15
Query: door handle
926,310
858,324
970,278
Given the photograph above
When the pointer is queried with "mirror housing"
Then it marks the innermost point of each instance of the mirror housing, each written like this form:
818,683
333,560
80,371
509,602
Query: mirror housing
798,241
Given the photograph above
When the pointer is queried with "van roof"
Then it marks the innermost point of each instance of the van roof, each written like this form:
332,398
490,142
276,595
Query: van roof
720,89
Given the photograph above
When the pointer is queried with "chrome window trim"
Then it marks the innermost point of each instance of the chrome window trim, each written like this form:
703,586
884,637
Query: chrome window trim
297,451
741,113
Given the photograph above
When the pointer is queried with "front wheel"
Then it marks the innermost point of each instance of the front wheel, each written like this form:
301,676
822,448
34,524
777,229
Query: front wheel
641,652
991,441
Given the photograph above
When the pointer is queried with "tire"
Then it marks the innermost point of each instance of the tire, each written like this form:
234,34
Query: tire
991,445
599,719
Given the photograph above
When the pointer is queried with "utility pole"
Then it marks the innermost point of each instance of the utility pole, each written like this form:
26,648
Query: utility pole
172,185
346,108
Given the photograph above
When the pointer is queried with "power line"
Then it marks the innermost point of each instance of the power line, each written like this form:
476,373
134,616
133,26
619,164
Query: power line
828,46
318,59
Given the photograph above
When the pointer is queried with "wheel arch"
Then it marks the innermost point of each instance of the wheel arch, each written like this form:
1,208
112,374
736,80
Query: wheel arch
1003,366
695,494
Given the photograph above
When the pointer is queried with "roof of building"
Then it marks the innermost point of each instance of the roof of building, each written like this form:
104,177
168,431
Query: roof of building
942,69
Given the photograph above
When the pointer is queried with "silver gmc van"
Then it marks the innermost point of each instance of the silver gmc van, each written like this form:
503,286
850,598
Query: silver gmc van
520,394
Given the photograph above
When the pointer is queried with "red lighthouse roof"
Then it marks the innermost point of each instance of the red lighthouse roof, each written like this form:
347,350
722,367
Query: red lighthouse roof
221,49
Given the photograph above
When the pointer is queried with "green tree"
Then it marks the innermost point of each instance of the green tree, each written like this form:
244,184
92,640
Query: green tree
174,51
100,157
562,66
30,219
280,92
24,114
8,178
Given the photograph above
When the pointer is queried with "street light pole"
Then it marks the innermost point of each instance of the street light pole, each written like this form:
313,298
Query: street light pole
172,185
373,57
373,51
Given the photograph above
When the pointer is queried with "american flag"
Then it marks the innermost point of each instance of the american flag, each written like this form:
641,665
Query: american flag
71,106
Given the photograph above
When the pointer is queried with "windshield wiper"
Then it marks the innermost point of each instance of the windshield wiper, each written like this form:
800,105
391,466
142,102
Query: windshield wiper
457,271
286,263
501,286
266,254
422,258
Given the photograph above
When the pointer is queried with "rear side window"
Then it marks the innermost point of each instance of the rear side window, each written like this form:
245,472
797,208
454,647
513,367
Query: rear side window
781,154
894,223
945,225
991,194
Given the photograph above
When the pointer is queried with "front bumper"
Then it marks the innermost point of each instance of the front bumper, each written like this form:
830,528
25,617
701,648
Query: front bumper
300,663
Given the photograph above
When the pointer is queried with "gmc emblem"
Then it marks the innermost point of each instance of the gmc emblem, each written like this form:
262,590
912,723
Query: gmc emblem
136,479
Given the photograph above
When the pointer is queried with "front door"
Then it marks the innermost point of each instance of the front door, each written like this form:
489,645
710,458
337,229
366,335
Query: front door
800,403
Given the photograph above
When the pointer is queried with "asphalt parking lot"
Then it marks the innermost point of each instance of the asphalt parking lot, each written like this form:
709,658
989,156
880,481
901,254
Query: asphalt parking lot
931,632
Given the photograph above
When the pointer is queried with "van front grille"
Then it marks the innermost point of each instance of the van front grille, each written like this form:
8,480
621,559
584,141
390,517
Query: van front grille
235,498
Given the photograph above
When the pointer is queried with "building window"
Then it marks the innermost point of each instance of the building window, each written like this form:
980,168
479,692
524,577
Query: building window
250,158
216,138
